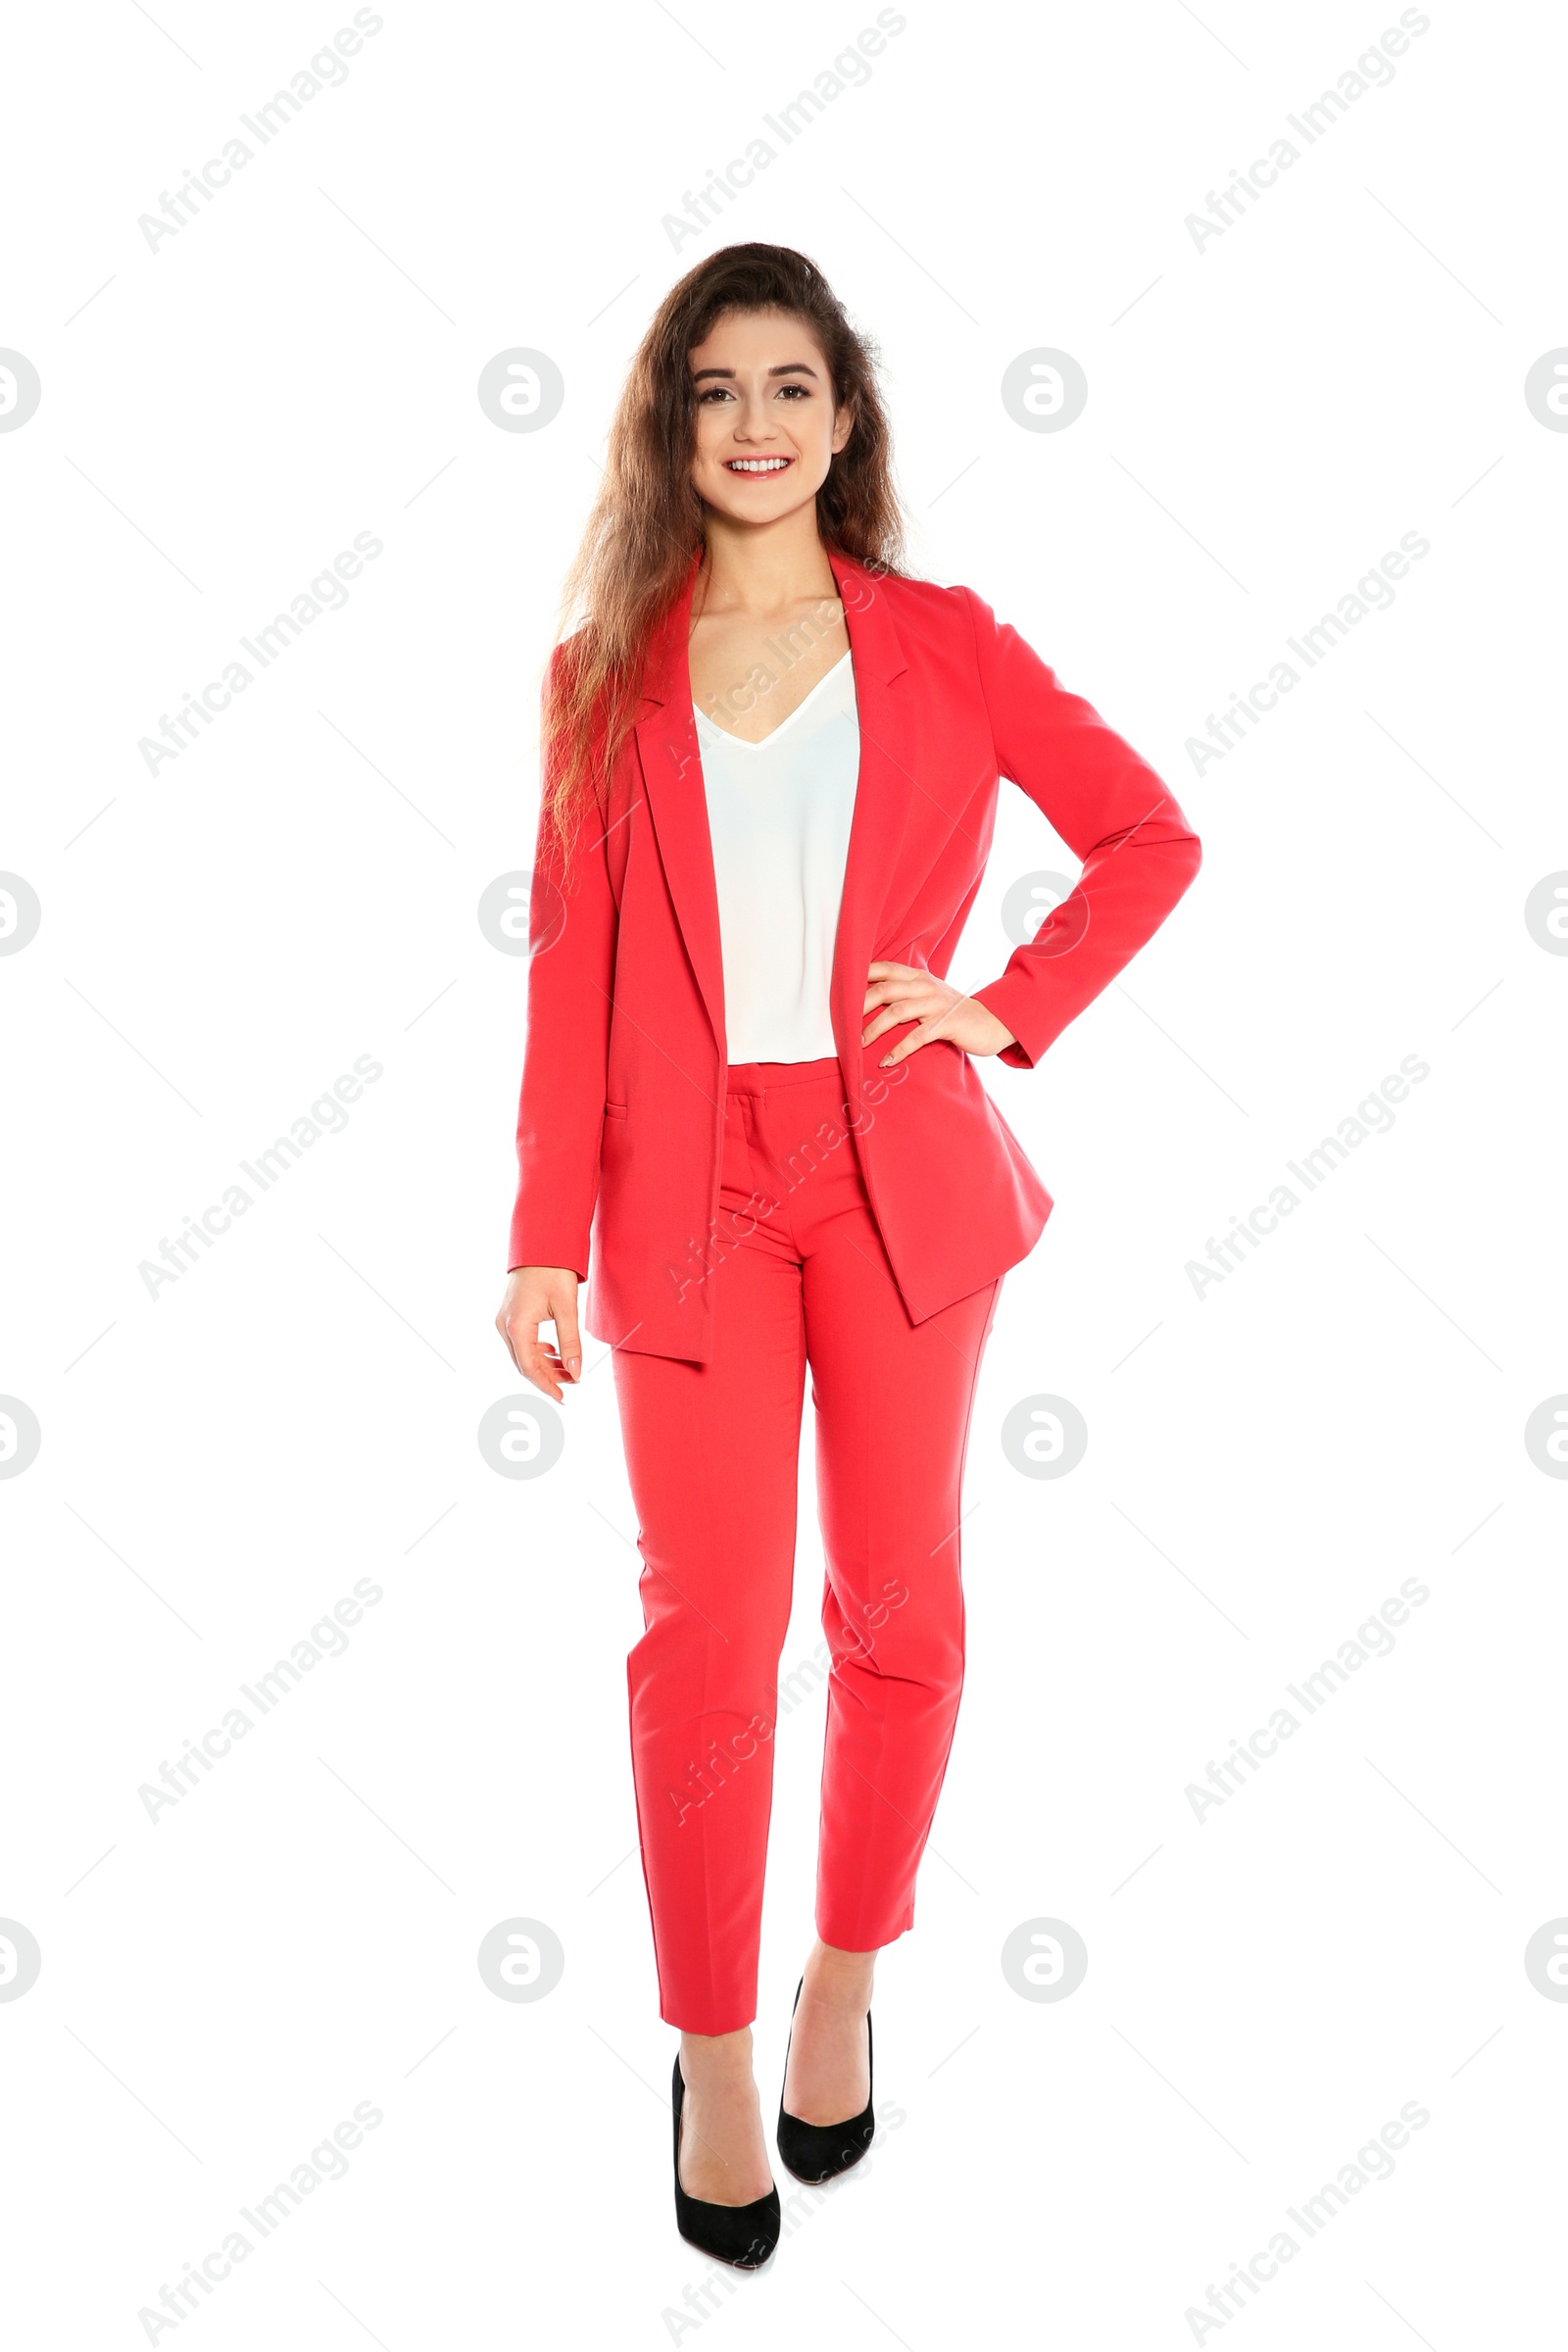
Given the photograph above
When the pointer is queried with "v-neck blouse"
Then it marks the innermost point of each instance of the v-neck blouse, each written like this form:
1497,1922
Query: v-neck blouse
779,814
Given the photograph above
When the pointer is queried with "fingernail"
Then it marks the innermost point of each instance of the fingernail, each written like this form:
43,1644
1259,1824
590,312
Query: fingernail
574,1365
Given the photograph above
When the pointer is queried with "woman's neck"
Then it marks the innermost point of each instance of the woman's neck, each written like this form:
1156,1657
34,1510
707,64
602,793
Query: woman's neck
764,570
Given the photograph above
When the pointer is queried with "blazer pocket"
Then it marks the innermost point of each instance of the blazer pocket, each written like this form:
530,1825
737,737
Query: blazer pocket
615,1110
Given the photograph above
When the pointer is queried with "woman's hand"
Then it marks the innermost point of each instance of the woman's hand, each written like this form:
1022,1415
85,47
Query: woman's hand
906,994
538,1295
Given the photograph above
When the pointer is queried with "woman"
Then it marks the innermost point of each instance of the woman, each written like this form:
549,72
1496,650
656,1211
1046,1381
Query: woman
771,763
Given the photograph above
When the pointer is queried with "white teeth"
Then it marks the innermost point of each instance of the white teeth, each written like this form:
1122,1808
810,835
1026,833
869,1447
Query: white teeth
756,464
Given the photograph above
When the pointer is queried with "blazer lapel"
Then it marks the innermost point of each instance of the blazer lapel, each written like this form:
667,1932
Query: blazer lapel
881,798
672,774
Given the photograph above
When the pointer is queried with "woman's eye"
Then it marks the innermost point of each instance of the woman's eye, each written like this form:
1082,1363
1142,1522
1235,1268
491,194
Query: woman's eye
712,393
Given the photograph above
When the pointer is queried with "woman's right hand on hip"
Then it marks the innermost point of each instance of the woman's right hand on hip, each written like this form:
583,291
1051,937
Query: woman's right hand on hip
538,1295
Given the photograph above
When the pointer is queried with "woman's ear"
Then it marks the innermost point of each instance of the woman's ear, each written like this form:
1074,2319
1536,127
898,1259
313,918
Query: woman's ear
842,427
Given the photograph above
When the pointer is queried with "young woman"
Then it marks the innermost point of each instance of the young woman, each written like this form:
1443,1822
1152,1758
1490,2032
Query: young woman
770,763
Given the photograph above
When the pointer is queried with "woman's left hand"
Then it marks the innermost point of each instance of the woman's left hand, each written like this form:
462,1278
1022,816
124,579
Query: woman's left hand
901,991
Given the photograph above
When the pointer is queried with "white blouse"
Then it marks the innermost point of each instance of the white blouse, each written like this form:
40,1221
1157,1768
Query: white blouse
779,815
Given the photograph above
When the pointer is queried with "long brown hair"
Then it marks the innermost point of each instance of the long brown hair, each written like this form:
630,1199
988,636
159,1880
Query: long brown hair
646,527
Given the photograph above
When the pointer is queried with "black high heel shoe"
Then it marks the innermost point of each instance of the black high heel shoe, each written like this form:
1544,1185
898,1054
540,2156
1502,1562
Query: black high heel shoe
742,2234
817,2152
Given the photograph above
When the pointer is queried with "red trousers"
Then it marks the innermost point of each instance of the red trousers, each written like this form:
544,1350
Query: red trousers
797,1276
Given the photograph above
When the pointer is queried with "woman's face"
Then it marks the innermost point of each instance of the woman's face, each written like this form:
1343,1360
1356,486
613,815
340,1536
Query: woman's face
766,426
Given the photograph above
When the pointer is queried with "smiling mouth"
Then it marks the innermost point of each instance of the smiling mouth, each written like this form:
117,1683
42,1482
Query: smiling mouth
755,465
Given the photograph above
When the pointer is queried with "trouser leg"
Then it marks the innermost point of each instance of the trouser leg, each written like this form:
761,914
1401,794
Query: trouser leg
712,1455
893,1404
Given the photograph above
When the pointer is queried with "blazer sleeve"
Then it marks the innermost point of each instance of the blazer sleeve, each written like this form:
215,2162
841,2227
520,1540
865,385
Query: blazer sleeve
1137,850
561,1113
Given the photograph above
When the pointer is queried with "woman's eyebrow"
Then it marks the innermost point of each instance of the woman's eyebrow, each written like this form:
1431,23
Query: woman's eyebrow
790,367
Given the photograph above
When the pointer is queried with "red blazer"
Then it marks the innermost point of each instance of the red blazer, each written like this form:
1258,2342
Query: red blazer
622,1107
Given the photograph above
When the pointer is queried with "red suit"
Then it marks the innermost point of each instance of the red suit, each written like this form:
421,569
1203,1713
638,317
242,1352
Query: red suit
719,1275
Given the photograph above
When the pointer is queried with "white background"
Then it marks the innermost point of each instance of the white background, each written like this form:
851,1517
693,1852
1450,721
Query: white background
1266,1464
